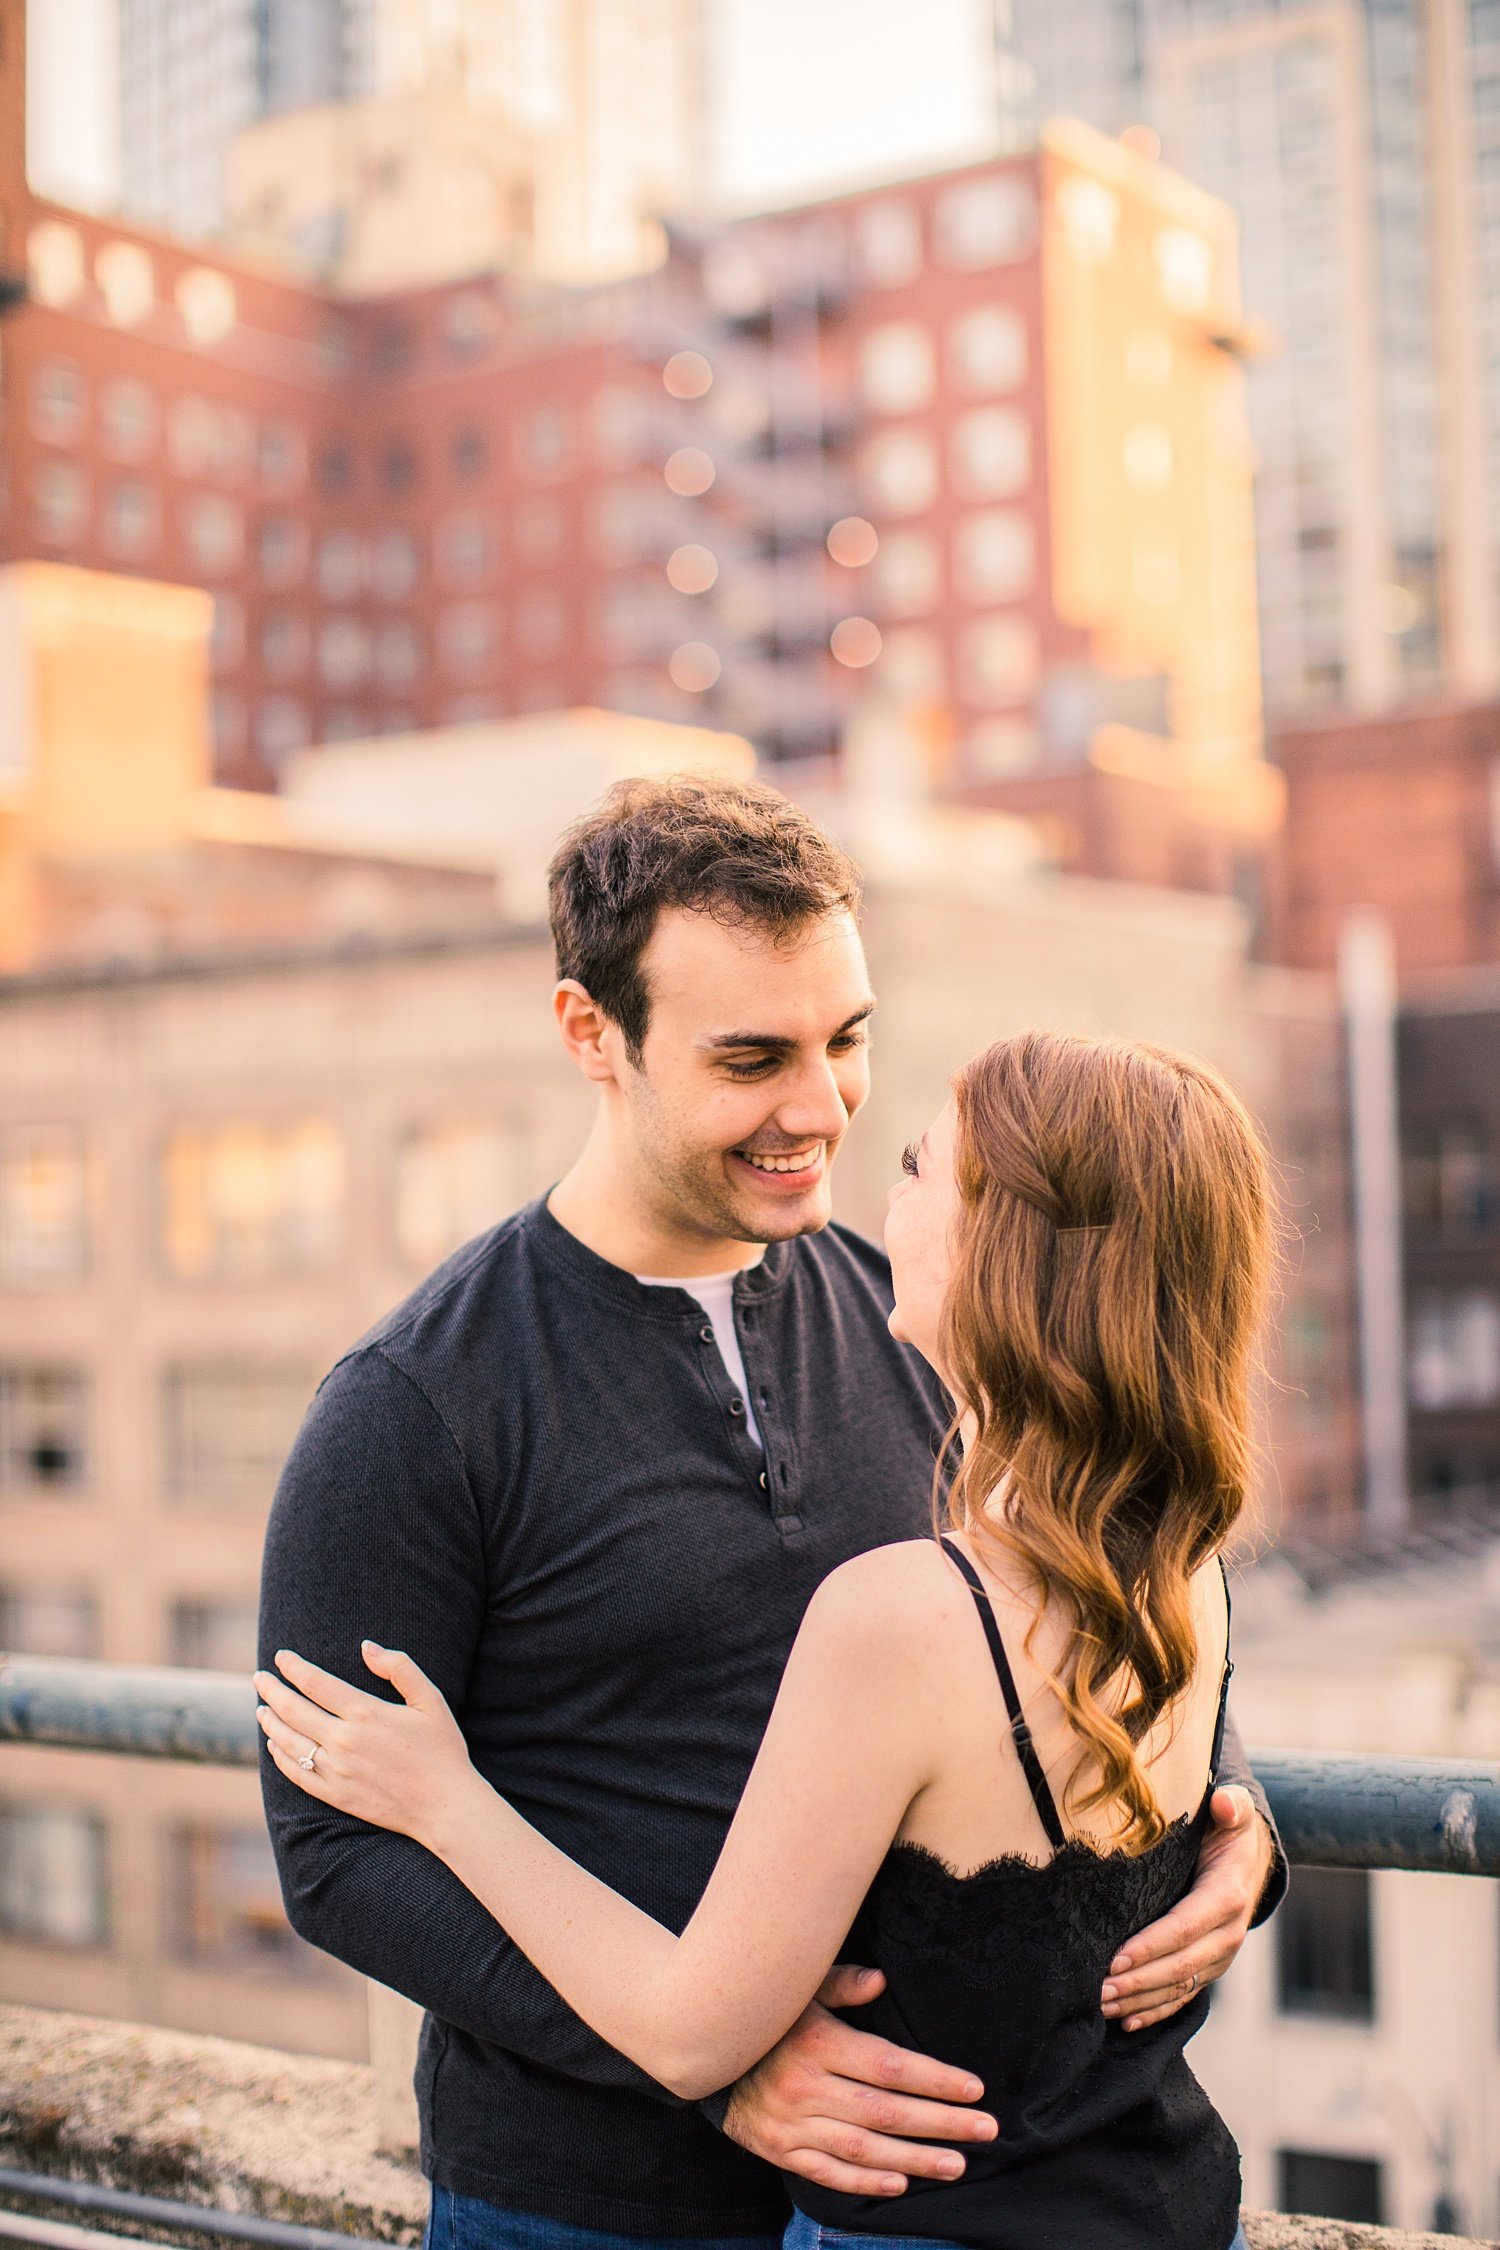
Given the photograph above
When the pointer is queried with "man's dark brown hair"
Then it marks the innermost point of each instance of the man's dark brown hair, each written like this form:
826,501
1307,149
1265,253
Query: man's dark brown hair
730,849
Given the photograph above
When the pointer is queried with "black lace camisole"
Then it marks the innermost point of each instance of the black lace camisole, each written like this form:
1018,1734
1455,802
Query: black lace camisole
1106,2141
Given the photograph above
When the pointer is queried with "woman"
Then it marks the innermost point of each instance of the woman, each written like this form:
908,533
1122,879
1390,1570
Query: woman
992,1754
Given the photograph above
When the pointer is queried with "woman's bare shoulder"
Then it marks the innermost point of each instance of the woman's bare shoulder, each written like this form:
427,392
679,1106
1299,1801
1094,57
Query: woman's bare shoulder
904,1587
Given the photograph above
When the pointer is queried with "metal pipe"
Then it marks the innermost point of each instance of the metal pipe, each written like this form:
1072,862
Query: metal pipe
52,2234
156,2211
1426,1813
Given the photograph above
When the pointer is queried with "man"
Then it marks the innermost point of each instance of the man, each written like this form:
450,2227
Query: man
588,1475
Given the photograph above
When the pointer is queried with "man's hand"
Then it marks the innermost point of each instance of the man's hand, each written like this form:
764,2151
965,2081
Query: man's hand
1159,1971
849,2111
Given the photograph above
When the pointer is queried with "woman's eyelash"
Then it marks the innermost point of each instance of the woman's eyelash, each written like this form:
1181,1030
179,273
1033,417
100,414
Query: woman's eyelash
909,1158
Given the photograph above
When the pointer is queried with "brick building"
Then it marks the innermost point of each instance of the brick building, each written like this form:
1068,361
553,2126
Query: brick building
971,445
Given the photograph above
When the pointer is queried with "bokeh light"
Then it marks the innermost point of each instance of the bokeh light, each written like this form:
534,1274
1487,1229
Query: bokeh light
694,667
688,472
687,375
853,542
692,569
855,642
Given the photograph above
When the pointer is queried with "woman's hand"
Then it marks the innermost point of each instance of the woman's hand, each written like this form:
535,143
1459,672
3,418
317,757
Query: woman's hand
397,1765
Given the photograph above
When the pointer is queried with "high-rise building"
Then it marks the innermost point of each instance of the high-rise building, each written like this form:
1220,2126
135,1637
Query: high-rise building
1359,144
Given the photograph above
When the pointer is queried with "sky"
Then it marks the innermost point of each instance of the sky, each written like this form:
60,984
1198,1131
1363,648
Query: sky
810,93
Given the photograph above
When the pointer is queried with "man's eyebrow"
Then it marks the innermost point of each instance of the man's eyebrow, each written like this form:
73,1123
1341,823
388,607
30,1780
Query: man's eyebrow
776,1041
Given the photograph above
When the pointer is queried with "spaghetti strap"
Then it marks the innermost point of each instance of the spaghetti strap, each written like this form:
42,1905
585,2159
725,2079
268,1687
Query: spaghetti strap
1218,1750
1031,1765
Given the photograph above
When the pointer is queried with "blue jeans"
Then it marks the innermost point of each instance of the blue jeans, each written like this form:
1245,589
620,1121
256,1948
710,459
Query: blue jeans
806,2234
467,2222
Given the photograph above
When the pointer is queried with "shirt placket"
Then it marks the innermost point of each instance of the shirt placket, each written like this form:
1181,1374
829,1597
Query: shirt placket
776,1468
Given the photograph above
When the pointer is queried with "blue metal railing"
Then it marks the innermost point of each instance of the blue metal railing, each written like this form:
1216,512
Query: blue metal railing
1437,1814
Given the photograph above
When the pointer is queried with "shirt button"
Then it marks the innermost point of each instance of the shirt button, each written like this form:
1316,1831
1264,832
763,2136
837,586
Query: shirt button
762,1480
706,1335
736,1406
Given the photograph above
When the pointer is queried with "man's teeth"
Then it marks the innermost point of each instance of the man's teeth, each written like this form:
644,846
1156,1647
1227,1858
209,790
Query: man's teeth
782,1163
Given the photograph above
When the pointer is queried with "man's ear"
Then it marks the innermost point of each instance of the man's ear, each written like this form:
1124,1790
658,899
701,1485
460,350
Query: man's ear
587,1032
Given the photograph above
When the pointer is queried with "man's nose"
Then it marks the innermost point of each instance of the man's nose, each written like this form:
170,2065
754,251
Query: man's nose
814,1108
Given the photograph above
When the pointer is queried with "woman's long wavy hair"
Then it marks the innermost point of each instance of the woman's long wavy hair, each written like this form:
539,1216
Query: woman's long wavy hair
1111,1267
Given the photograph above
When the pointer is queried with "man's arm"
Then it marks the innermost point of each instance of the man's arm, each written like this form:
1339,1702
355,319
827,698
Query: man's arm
1241,1880
375,1532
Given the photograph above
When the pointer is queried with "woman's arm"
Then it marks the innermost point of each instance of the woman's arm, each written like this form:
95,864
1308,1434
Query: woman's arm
849,1744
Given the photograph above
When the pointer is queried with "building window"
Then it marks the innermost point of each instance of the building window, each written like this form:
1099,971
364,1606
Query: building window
343,652
1450,1180
43,1206
225,1902
465,549
991,453
1455,1349
621,418
281,726
60,495
206,440
1001,749
43,1429
228,723
126,282
59,402
397,468
901,472
392,347
132,519
469,454
987,350
206,301
888,244
212,1636
229,1429
283,644
897,367
215,532
398,652
226,642
127,419
395,566
453,1180
998,657
340,565
335,468
281,549
469,636
54,263
907,574
48,1621
994,556
1330,2187
246,1200
544,442
53,1885
1324,1951
280,457
985,222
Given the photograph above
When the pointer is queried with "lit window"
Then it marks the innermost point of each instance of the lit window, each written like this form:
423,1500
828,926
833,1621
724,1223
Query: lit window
59,402
340,565
48,1621
469,454
132,519
54,263
888,244
53,1885
225,1900
465,549
994,556
43,1207
283,644
126,282
1001,749
999,660
280,457
900,468
897,367
907,574
985,222
281,544
544,442
991,453
1185,268
735,279
127,418
206,301
395,565
280,727
540,624
229,1429
246,1200
622,426
453,1180
226,641
1090,215
1455,1349
912,666
398,652
215,530
60,500
43,1429
537,530
212,1636
343,652
469,636
987,350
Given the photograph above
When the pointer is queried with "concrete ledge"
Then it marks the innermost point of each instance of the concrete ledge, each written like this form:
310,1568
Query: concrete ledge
251,2129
